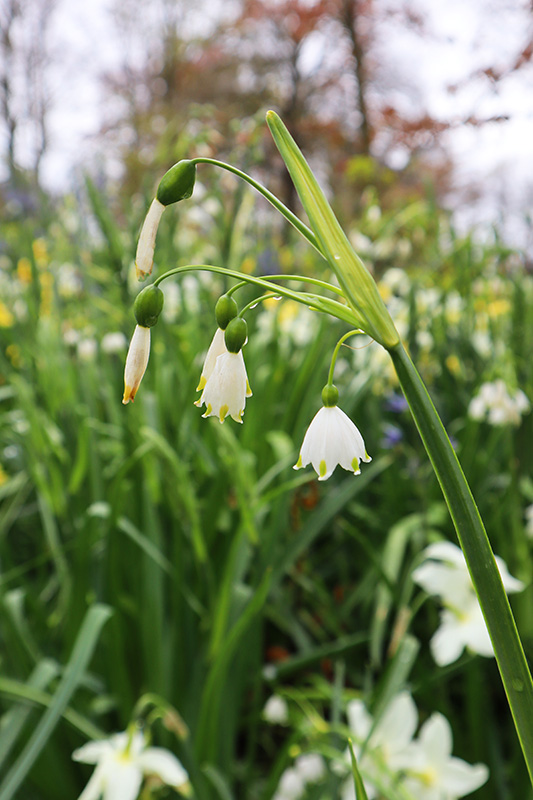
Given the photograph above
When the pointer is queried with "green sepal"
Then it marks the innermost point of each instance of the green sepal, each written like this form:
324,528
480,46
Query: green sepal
148,305
178,183
226,309
236,334
330,395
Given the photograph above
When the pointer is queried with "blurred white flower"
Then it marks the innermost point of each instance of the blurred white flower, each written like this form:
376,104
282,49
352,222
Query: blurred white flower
494,403
311,767
226,388
331,439
136,362
276,710
114,342
122,761
444,574
69,282
144,259
308,768
291,785
87,349
432,773
386,749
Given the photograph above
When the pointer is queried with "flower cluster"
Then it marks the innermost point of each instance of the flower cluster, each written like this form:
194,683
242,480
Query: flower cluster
390,755
444,574
331,439
497,405
423,765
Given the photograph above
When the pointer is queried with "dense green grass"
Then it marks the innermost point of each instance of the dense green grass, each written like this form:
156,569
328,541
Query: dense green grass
153,551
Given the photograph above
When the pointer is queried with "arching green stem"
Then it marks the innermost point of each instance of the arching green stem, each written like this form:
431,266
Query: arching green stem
287,213
256,301
317,302
336,353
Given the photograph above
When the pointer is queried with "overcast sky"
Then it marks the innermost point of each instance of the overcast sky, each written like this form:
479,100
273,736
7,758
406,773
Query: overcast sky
466,35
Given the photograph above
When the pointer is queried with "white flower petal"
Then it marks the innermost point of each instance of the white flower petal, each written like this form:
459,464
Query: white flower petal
435,738
92,752
447,643
331,439
397,726
510,584
94,788
359,720
459,778
123,779
216,348
136,362
161,762
291,785
144,259
311,767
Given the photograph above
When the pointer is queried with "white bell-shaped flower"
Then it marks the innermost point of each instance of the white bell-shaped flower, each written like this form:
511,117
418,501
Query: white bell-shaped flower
136,362
216,349
331,439
225,390
144,259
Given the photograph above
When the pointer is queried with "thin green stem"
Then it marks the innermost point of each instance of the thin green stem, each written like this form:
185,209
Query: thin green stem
317,302
287,213
255,302
476,547
336,353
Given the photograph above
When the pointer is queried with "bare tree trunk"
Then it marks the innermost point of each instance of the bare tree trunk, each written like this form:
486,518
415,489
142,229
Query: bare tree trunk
348,17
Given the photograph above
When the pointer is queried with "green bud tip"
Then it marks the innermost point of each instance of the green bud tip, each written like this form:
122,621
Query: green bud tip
148,305
225,310
236,334
178,183
330,395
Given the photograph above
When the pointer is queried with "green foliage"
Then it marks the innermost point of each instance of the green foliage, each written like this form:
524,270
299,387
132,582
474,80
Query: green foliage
229,576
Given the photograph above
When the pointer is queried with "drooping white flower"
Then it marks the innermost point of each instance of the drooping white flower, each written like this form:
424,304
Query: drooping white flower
331,439
144,259
497,405
122,762
216,349
444,574
226,387
276,710
431,772
136,362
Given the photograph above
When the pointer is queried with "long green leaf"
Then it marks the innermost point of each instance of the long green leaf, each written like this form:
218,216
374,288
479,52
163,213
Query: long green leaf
82,651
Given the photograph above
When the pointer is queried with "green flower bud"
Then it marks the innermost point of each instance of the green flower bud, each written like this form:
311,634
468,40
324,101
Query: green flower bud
147,306
236,334
225,310
177,184
330,395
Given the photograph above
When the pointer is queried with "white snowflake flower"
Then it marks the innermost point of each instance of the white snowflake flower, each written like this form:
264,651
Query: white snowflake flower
497,405
136,362
144,259
331,439
276,710
226,388
122,761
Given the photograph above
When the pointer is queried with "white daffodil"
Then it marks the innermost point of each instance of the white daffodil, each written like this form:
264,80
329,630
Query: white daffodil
225,390
136,362
332,439
216,349
497,405
385,750
444,574
431,772
144,259
121,765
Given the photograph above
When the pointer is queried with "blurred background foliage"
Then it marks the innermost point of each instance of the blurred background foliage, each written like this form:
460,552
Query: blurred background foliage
229,576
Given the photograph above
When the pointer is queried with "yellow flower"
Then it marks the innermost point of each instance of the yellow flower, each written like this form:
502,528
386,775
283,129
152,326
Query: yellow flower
6,317
24,270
